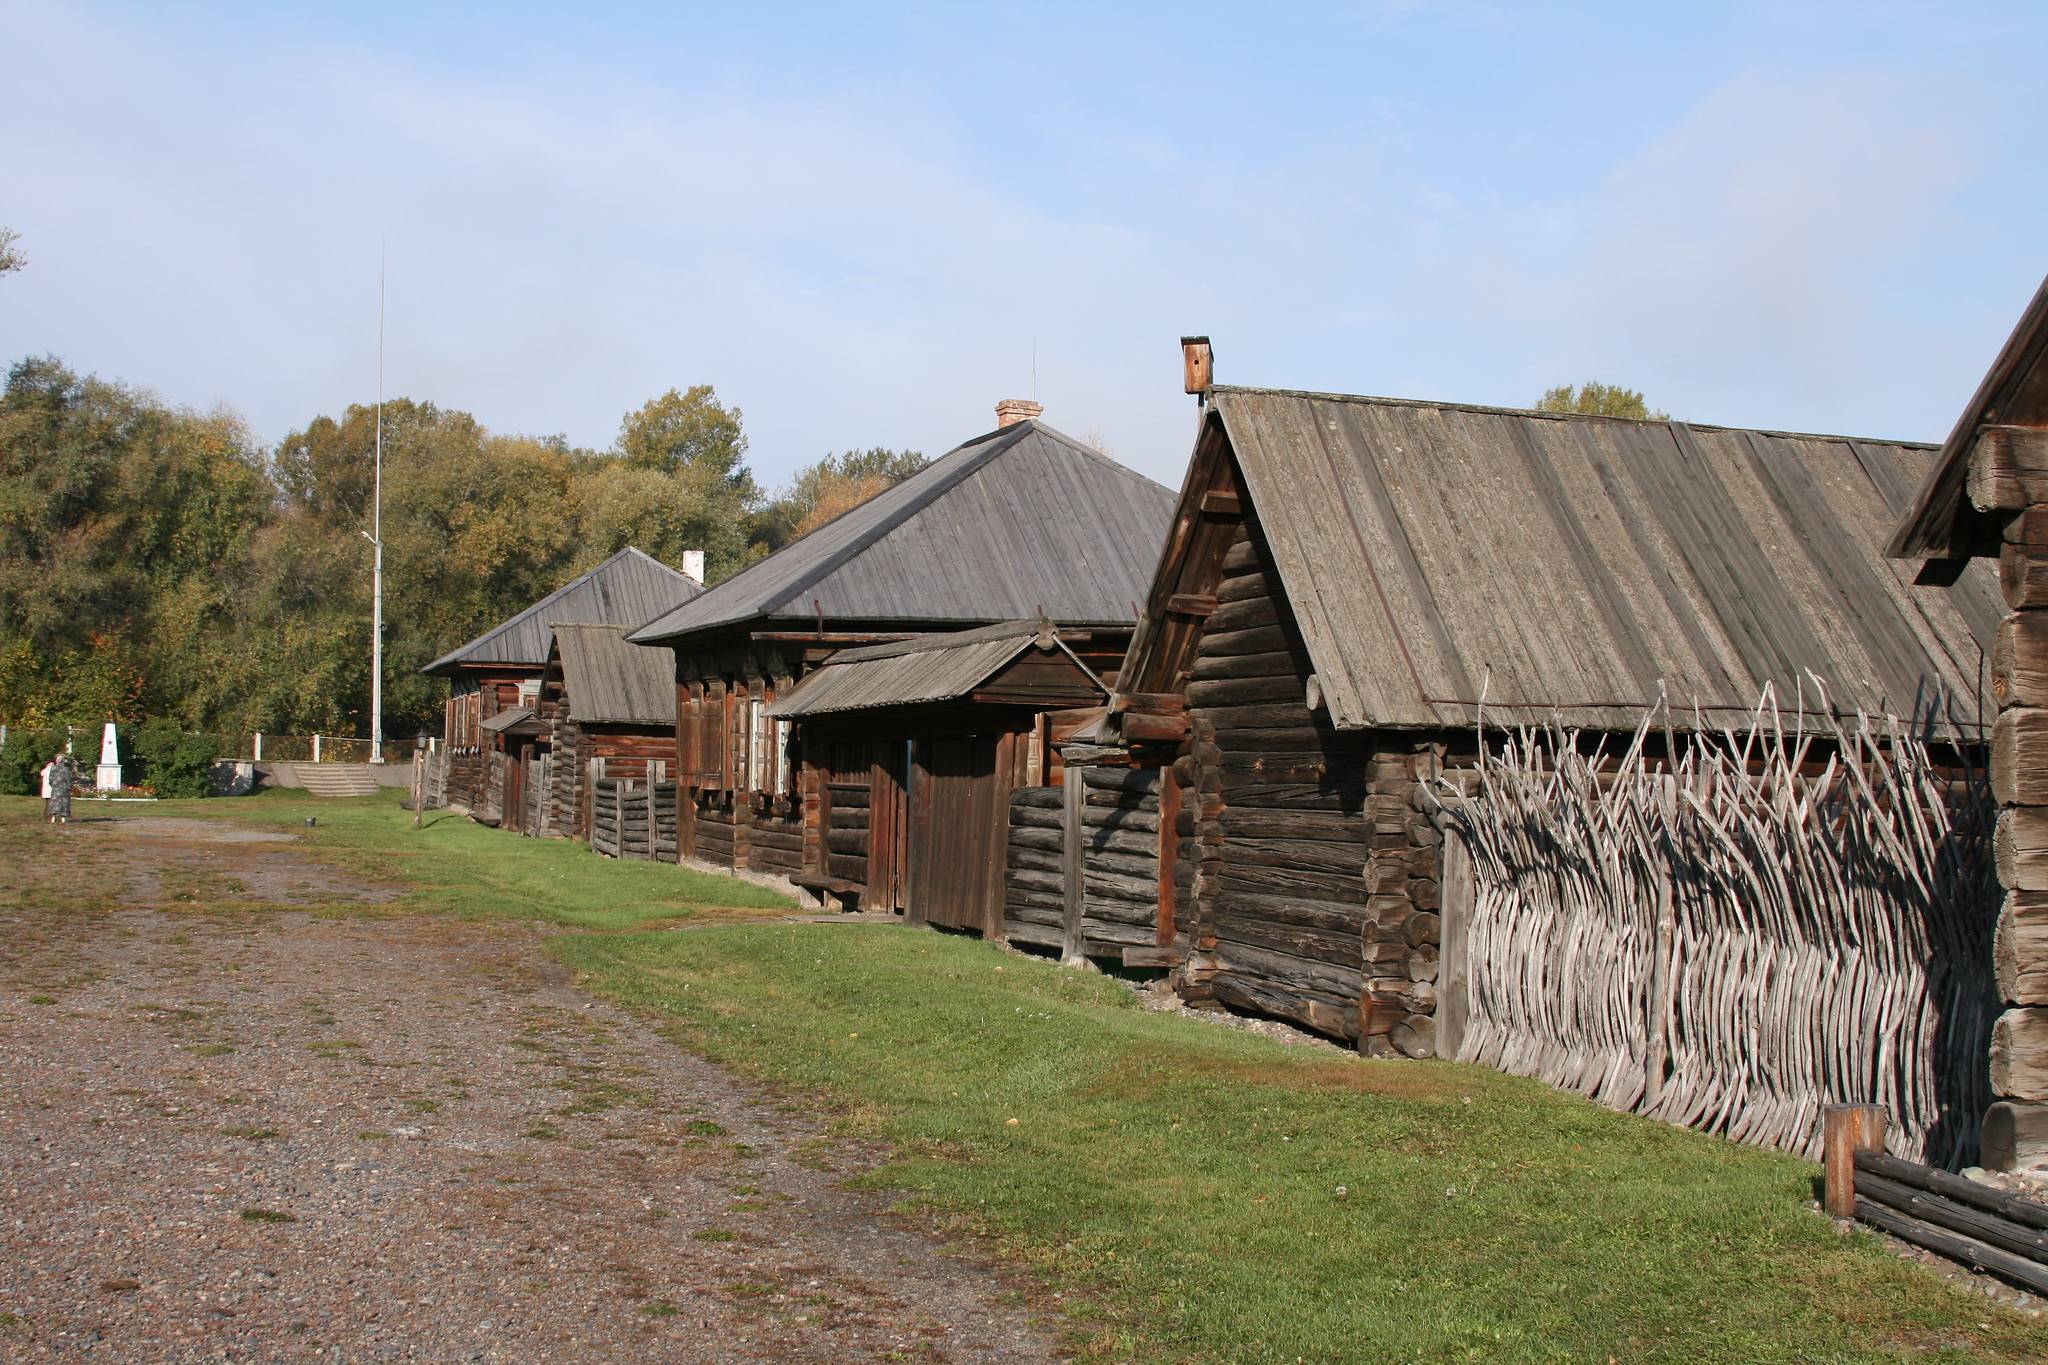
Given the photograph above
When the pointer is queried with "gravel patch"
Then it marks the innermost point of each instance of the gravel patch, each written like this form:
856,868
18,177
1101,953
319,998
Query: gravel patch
275,1136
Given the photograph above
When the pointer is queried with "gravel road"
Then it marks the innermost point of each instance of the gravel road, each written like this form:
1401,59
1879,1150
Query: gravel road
281,1136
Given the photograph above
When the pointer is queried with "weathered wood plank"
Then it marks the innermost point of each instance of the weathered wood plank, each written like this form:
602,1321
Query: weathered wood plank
2019,1054
2008,468
2019,756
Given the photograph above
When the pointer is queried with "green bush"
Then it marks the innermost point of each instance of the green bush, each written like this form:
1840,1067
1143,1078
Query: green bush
173,763
22,760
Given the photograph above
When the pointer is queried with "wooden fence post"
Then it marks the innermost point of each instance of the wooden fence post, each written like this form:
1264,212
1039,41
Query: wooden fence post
419,786
1847,1129
1456,900
1073,868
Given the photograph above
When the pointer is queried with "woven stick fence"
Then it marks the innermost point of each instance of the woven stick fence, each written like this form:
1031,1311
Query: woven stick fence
1779,920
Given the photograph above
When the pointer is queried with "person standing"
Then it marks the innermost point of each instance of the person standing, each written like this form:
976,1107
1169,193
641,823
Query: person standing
58,779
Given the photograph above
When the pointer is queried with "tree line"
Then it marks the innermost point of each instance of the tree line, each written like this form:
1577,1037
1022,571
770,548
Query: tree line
160,562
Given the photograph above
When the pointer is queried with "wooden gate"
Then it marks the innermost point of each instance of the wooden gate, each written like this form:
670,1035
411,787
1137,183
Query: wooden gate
958,824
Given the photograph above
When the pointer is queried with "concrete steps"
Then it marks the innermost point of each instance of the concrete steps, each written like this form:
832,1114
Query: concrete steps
337,779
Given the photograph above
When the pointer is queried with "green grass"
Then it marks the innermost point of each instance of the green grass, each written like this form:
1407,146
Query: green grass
452,865
1219,1196
1196,1193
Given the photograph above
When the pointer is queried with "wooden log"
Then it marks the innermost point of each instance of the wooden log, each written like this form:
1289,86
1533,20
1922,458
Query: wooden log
846,868
2021,848
1989,1228
1257,640
1142,867
2019,757
1322,826
2023,575
2019,657
1421,929
1336,980
1295,940
1287,880
2015,1136
1133,783
2019,1210
2020,952
1274,663
1146,728
847,841
1092,883
1249,613
1280,718
2008,468
2019,1054
1252,790
1414,1036
1328,1015
1105,814
1345,857
1971,1252
1242,558
1243,691
1036,798
1072,879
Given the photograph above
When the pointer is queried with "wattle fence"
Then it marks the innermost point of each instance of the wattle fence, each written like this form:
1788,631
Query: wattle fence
1778,921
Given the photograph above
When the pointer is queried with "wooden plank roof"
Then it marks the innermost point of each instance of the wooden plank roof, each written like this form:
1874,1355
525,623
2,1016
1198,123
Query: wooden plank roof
1571,567
927,668
608,681
626,589
1942,523
1020,521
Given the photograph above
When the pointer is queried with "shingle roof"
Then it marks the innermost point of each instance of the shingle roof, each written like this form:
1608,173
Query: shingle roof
506,719
1012,523
610,682
1942,523
626,589
927,668
1567,565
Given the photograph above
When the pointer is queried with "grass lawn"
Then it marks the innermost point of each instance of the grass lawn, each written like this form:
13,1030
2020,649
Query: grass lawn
452,865
1198,1193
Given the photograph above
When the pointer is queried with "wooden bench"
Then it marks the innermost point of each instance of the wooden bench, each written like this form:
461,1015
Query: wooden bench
849,893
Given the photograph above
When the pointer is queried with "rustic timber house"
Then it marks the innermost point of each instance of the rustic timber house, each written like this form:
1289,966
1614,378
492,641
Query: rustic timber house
1348,579
609,710
974,715
1987,497
500,669
1020,522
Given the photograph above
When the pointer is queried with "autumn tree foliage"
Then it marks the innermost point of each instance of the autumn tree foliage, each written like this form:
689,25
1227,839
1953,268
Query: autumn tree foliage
160,562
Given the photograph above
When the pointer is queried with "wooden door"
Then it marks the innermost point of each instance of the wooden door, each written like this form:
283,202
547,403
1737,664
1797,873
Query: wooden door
888,833
957,810
515,791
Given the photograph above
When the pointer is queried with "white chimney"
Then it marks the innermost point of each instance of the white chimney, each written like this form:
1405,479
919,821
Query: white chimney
1011,411
693,566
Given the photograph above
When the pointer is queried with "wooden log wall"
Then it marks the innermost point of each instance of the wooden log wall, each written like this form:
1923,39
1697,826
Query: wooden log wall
2015,1132
1118,833
845,832
632,818
776,838
715,826
1312,871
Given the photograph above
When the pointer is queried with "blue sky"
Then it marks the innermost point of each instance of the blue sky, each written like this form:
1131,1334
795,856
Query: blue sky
863,224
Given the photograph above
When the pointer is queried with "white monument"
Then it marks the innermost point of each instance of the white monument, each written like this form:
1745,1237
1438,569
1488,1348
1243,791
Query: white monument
108,778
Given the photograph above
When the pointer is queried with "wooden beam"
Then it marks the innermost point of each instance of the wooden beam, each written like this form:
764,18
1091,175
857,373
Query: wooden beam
2019,756
1191,603
1222,502
1150,703
2008,467
1847,1129
1140,727
1073,829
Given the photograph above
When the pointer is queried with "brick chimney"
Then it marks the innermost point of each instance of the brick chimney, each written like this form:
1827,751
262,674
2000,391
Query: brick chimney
1011,411
693,566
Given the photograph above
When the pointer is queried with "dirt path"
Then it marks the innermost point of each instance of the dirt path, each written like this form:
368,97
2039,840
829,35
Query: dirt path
275,1136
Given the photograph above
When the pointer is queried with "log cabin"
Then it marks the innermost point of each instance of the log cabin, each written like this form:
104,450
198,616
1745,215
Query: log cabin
608,710
500,669
1020,522
1348,579
966,718
1987,498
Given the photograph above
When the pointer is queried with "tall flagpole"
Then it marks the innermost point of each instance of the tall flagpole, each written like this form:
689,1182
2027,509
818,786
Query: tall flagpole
377,545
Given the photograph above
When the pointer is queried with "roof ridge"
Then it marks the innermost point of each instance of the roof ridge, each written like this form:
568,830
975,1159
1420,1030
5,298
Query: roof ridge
533,609
1384,400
